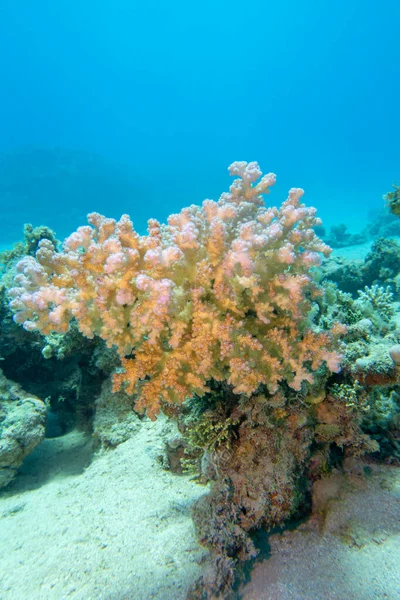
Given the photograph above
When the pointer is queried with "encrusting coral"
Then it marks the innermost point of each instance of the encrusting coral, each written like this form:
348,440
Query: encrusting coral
222,292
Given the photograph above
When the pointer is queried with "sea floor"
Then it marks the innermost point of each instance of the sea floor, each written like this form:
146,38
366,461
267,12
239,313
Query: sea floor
356,252
350,550
116,528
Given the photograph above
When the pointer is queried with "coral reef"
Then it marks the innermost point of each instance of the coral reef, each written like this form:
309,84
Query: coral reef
369,380
340,237
382,224
382,264
370,331
380,267
218,320
67,370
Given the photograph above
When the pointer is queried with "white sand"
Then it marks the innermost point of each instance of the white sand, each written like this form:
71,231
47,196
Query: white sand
351,553
357,252
118,530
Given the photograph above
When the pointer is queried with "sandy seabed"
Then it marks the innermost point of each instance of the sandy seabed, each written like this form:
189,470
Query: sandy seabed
116,528
348,550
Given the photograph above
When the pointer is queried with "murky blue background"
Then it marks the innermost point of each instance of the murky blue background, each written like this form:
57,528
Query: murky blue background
123,106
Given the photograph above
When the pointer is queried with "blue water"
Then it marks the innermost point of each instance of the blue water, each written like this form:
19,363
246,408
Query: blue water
165,95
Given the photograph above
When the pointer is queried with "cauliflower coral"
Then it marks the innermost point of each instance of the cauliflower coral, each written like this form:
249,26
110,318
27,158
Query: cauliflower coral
223,292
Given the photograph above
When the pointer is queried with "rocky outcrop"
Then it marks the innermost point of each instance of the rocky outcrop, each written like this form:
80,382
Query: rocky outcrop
22,427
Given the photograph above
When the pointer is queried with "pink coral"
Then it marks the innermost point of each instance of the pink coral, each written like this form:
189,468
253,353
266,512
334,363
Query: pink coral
221,292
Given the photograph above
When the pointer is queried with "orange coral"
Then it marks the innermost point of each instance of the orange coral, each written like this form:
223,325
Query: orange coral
222,292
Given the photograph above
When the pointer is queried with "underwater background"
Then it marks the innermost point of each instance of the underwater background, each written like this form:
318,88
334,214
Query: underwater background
212,409
139,107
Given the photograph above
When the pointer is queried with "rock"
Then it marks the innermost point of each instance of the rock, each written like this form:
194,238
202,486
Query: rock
394,352
22,427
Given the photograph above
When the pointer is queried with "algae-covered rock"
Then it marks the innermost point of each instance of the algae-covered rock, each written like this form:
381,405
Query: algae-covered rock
22,427
381,267
115,420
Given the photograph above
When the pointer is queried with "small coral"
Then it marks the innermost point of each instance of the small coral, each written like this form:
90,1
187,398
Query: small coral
384,404
393,200
32,237
376,299
353,396
212,431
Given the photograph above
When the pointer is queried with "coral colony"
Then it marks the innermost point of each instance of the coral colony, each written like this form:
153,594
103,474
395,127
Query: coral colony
221,292
219,321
